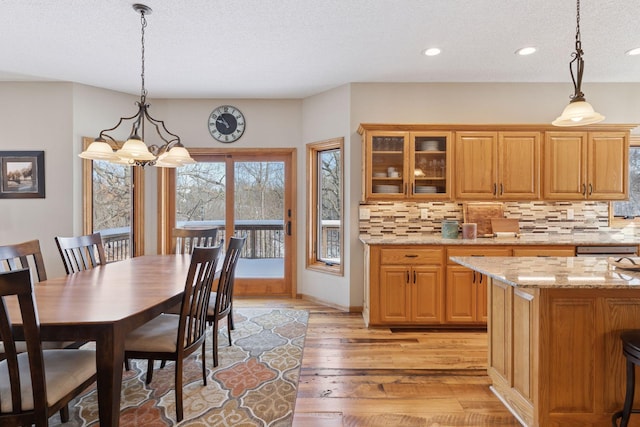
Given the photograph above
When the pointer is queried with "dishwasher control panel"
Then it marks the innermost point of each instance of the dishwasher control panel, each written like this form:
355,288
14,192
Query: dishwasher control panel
601,250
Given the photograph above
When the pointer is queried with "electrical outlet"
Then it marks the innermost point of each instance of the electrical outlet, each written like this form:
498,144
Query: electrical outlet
569,213
365,213
424,213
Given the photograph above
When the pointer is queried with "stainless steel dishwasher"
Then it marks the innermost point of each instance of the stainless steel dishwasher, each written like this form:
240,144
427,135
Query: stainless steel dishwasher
607,251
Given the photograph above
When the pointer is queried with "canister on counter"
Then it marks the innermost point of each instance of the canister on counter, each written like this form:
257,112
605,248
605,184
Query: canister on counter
449,229
469,230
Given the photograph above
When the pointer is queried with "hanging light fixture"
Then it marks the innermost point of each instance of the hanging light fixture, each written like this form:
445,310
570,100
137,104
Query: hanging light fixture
135,152
579,112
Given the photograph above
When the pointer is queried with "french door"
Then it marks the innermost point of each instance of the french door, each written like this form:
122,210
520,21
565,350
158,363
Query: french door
241,193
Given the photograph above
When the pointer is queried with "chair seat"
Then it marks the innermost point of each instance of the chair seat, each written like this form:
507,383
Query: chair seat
21,346
64,370
157,335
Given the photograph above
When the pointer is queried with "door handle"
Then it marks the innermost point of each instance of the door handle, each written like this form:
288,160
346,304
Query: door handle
584,189
288,228
501,189
495,189
414,277
590,189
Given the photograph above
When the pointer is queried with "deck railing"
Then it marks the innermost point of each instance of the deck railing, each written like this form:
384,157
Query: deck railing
265,238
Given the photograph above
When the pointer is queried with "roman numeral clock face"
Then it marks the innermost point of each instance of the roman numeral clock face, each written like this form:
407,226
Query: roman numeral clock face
226,123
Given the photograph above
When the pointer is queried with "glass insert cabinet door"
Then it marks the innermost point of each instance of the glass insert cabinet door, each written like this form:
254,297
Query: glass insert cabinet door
407,165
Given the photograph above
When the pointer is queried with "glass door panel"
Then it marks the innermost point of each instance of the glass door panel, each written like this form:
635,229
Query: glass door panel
201,192
259,214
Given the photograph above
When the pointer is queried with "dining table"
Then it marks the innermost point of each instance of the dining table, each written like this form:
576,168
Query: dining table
103,304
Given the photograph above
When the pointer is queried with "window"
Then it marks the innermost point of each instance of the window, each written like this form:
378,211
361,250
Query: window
628,212
325,206
110,200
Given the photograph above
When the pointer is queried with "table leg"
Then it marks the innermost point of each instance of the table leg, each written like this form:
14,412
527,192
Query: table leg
109,359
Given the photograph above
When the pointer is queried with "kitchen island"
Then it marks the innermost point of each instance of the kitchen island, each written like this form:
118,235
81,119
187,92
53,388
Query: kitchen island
555,355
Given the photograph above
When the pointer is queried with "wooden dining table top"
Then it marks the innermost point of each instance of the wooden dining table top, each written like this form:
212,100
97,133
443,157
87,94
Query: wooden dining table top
111,292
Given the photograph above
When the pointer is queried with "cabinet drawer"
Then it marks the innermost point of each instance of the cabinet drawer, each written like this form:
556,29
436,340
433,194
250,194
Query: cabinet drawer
477,251
542,251
408,256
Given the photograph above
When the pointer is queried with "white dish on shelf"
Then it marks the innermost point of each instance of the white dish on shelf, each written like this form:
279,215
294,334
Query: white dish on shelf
426,189
386,189
430,145
379,174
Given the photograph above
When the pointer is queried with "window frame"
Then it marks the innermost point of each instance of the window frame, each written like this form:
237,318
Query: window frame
312,260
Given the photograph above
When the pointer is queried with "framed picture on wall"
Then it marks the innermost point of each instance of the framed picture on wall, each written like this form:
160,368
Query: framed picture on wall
22,175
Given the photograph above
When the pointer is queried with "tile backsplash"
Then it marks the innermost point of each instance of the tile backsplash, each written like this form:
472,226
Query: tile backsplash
407,218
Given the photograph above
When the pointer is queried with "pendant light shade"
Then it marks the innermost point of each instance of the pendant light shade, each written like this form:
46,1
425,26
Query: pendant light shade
579,112
135,152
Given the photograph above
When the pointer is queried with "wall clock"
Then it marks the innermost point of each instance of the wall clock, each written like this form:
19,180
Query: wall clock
226,123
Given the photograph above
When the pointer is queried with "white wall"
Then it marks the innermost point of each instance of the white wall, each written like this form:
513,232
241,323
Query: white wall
37,116
326,116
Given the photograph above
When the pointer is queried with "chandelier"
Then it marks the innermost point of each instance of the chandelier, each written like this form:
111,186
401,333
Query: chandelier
579,112
135,152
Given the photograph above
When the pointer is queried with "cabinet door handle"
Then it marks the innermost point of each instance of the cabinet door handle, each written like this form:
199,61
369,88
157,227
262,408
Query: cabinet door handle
406,186
407,276
480,277
584,189
414,277
474,278
590,189
495,188
411,256
501,189
413,190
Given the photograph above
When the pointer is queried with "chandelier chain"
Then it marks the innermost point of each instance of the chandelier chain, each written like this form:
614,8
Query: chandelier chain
143,22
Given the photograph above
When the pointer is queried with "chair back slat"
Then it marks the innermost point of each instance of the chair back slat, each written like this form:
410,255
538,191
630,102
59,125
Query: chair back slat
183,240
224,295
81,252
23,255
18,283
193,313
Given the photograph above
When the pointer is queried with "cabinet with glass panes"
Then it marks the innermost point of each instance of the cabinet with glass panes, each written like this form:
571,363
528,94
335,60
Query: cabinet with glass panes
406,165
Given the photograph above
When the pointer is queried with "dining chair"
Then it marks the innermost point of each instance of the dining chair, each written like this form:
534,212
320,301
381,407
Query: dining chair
221,301
176,336
37,383
23,255
81,252
183,240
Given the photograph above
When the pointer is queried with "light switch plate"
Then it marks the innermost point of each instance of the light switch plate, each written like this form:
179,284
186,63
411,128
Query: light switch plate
569,213
424,213
365,213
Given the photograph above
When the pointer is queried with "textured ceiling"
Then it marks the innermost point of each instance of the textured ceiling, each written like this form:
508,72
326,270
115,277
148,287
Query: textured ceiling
297,48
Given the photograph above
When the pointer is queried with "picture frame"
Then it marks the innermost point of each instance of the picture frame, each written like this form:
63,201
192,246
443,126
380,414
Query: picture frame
22,175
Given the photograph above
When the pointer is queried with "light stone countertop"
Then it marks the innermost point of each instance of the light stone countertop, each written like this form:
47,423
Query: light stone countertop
553,272
617,237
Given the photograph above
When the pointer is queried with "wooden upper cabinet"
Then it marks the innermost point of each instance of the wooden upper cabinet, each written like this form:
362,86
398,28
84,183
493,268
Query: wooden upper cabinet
406,165
497,165
607,166
586,165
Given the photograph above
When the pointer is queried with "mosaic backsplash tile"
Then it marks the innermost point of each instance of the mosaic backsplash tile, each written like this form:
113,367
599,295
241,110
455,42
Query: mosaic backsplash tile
404,218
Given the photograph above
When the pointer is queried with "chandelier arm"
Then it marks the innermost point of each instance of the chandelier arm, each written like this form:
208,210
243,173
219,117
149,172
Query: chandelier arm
159,126
104,134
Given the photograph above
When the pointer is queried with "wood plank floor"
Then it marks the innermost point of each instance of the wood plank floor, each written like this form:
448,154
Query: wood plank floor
353,376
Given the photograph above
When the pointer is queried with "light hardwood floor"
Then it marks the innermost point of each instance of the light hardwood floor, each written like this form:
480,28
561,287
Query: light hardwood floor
353,376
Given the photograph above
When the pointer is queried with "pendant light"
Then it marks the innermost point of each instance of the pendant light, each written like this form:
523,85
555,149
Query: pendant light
135,152
579,112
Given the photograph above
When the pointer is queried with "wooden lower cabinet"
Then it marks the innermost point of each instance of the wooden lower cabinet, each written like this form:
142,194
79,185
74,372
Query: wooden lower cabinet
555,355
465,289
411,294
406,286
417,285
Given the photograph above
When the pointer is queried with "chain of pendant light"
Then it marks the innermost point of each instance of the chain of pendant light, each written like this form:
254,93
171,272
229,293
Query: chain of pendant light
143,22
577,56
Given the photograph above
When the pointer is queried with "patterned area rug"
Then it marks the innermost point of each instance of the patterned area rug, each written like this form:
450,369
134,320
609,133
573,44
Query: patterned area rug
255,383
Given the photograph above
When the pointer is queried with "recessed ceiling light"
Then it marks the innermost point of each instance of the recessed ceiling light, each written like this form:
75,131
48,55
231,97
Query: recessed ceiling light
432,51
633,52
526,51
